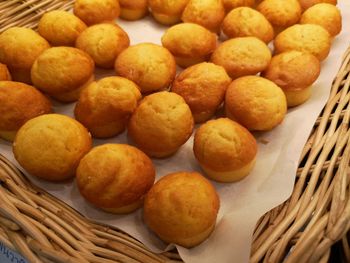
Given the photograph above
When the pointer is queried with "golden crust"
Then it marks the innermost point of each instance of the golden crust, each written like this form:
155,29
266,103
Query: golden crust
50,146
177,213
112,176
242,56
4,72
133,10
232,4
167,12
161,124
151,67
245,21
203,87
305,4
256,103
103,42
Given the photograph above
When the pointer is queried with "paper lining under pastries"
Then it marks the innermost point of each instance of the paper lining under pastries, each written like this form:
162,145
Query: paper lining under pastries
167,12
4,72
232,4
305,4
133,10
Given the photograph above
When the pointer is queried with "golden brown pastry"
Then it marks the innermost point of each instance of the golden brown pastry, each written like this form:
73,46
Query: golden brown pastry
19,47
161,124
62,72
150,66
245,21
167,12
189,43
225,150
133,10
181,208
242,56
256,103
60,28
203,87
105,106
103,42
50,146
306,38
4,72
19,103
232,4
115,177
305,4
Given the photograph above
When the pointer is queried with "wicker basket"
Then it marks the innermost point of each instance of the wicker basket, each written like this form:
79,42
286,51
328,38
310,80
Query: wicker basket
303,229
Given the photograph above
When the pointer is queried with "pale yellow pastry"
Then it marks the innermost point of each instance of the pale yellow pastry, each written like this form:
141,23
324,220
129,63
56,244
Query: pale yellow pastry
225,150
207,13
161,124
306,38
325,15
96,11
203,87
294,72
150,66
62,72
19,47
103,42
51,146
232,4
181,208
256,103
105,106
115,177
242,56
4,72
19,103
305,4
189,43
60,28
245,21
133,10
167,12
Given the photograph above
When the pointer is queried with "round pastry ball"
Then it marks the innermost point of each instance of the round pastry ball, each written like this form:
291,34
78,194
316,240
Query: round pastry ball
62,72
294,72
207,13
189,43
115,177
181,208
133,10
325,15
242,56
103,42
256,103
167,12
19,103
150,66
4,72
161,124
245,21
305,4
232,4
203,87
96,11
105,106
60,28
19,47
306,38
225,150
51,146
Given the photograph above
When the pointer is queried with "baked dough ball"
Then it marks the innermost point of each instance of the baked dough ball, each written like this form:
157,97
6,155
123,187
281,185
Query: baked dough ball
189,43
203,87
115,177
294,72
19,103
256,103
306,38
4,72
242,56
133,10
62,72
103,42
207,13
150,66
104,107
181,208
245,21
325,15
19,47
225,150
161,124
232,4
50,146
167,12
305,4
60,28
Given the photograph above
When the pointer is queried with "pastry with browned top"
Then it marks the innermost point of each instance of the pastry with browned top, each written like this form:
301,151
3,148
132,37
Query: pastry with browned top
133,10
232,4
167,12
305,4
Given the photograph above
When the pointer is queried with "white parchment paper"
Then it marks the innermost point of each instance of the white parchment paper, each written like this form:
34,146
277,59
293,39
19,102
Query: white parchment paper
243,203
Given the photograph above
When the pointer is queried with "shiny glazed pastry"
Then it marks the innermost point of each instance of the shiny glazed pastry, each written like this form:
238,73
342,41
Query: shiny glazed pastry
4,72
225,150
305,4
133,10
181,208
232,4
167,12
115,177
50,146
